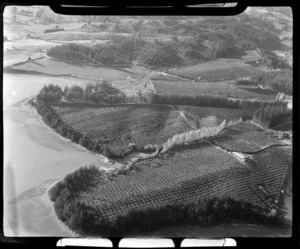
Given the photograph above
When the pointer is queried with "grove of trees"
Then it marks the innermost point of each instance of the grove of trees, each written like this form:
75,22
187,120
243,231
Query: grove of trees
88,220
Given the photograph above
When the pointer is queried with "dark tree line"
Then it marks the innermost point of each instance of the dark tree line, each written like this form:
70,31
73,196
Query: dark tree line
210,101
51,92
97,93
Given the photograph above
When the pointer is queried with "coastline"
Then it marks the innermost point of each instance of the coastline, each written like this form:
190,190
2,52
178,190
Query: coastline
63,225
105,160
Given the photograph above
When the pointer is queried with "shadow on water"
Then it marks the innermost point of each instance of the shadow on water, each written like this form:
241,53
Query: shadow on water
11,211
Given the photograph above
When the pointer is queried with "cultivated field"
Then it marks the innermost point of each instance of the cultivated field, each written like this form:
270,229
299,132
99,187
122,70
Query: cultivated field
224,172
222,88
245,138
188,172
219,69
119,125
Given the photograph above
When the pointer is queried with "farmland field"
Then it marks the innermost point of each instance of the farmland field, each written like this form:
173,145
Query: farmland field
220,69
21,50
246,138
188,172
54,67
120,125
222,88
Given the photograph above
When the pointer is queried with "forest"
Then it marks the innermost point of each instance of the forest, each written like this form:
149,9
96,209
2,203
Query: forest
97,93
126,50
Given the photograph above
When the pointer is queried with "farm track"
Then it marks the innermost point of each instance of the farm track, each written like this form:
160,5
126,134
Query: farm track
249,152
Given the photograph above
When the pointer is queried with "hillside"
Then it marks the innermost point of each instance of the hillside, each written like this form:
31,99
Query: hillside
148,123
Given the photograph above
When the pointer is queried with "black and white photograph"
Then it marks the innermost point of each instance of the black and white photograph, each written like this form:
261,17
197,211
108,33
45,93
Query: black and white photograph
147,126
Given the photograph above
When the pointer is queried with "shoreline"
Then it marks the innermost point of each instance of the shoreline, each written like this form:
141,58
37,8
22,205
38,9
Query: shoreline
104,159
63,225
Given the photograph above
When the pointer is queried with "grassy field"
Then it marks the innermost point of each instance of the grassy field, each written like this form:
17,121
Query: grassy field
188,172
219,69
20,50
117,126
55,67
223,88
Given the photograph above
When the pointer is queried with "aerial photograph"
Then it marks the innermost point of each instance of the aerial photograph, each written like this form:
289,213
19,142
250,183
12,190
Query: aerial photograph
147,126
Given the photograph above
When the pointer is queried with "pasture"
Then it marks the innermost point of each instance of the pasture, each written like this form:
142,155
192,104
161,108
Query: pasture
20,50
55,67
217,70
222,88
